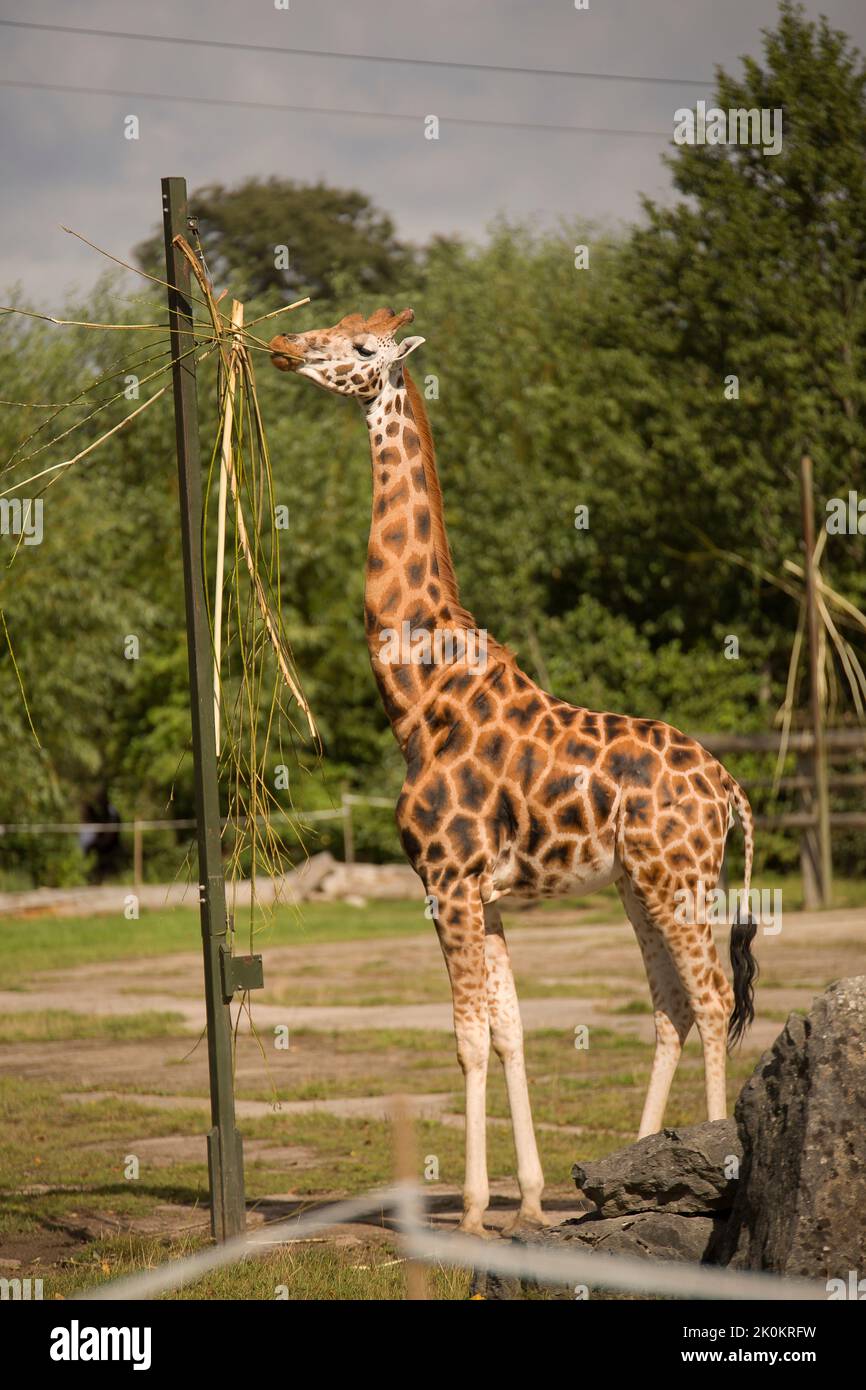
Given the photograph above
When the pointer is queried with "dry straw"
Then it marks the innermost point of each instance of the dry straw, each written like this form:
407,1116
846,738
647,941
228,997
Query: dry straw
836,612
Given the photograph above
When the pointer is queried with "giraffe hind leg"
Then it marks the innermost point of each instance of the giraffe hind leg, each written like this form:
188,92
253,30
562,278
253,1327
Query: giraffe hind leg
693,952
672,1012
712,1000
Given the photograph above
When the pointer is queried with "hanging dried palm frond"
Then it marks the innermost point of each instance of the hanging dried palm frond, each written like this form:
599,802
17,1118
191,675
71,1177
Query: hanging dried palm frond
835,612
247,628
254,671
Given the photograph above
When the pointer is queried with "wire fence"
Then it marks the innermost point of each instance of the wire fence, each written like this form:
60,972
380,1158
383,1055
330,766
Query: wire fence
139,827
848,744
572,1269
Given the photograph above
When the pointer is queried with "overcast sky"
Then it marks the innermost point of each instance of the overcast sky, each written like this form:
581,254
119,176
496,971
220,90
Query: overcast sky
65,158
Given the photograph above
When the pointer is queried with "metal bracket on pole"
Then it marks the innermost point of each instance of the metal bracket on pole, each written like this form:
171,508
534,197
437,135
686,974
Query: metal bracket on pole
240,973
225,1151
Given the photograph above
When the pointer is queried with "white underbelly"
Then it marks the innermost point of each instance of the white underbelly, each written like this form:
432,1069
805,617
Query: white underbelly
574,881
595,877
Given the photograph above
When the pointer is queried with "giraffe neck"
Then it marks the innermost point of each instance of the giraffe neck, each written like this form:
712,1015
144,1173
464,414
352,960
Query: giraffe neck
412,605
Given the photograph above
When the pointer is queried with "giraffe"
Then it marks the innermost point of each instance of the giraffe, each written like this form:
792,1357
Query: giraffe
511,791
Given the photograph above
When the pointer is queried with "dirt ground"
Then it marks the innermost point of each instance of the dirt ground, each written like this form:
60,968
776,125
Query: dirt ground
568,974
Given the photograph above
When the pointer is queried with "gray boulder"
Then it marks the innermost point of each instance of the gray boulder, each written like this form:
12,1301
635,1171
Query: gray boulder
684,1171
801,1200
649,1235
799,1204
657,1235
665,1197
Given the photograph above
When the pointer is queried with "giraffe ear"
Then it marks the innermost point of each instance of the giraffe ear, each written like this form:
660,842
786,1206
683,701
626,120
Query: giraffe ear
408,345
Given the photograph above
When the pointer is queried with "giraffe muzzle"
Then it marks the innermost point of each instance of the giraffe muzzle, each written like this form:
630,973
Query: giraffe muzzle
286,353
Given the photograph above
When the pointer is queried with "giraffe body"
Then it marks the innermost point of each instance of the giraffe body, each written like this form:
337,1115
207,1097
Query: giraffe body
510,791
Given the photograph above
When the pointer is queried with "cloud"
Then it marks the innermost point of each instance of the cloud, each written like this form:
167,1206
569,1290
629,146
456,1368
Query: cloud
67,159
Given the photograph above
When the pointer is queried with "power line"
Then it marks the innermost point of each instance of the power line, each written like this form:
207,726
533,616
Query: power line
331,110
355,57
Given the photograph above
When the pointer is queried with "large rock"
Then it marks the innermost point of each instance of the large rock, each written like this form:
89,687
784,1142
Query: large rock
660,1235
342,881
801,1200
799,1204
665,1197
688,1171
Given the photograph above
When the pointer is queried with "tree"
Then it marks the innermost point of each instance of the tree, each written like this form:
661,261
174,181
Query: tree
279,236
549,388
761,275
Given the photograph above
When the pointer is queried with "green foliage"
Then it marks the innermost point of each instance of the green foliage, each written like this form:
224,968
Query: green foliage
549,388
325,232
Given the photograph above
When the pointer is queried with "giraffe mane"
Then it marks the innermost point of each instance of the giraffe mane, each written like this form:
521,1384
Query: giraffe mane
447,575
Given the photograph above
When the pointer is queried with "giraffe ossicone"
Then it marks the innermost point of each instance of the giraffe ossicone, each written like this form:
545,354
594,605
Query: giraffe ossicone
510,791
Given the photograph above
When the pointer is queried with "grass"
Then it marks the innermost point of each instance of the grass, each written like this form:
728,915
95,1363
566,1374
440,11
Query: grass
394,986
366,1271
782,1015
61,1025
847,892
69,1214
600,1087
86,1146
62,1163
48,1139
324,1065
59,943
35,944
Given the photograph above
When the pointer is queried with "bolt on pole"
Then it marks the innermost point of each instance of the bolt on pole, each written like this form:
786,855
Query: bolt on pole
225,1150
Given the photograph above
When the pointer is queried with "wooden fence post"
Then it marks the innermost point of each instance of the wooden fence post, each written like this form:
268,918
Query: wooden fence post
406,1174
137,855
810,868
819,752
348,827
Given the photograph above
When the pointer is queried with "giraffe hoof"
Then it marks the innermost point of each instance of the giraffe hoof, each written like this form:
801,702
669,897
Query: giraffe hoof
474,1226
525,1223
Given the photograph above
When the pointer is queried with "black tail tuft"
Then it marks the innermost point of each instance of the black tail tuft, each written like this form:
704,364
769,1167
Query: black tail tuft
745,970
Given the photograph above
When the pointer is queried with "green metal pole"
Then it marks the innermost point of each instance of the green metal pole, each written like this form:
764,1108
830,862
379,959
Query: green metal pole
225,1151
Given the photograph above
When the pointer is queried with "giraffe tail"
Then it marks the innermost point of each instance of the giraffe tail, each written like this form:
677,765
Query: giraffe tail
743,964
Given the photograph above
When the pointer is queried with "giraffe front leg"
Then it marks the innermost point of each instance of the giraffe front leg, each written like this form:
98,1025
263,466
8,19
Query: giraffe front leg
506,1030
460,926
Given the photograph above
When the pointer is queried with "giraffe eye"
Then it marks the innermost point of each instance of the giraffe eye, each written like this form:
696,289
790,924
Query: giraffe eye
364,351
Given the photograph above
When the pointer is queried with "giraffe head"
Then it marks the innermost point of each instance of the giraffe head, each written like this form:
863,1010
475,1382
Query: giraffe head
356,357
